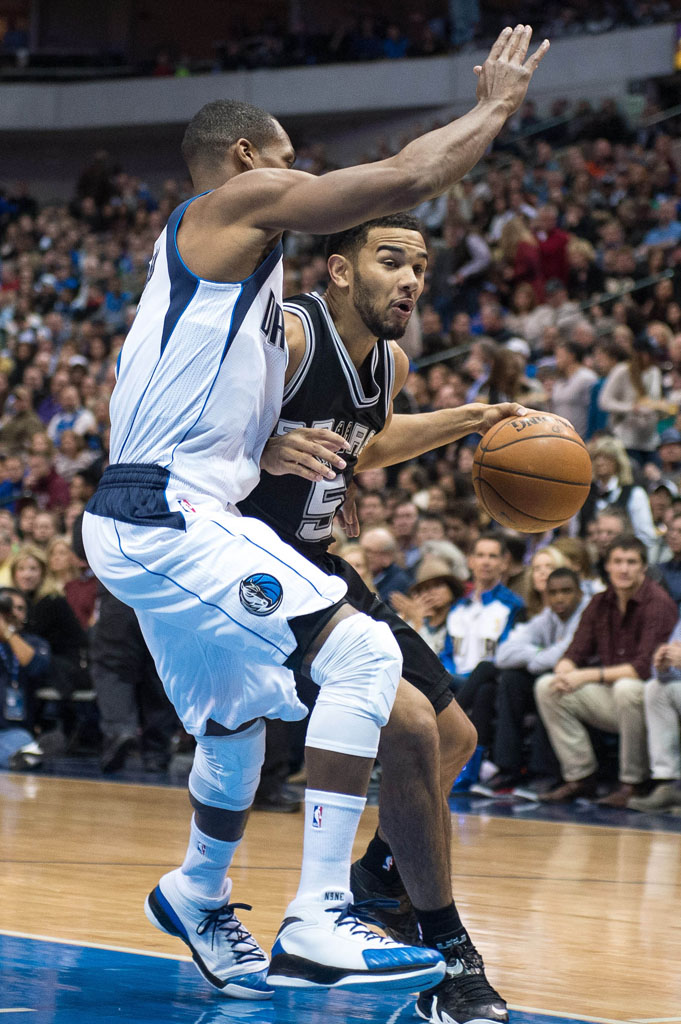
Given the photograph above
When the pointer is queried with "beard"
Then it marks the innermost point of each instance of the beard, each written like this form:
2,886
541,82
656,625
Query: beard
379,322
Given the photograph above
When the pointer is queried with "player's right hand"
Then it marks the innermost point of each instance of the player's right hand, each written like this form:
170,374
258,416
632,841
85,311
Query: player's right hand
305,452
505,75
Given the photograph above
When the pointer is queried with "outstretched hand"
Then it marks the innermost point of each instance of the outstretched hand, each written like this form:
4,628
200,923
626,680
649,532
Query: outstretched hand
505,75
305,452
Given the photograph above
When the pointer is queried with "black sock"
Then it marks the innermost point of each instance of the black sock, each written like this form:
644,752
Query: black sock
379,861
441,928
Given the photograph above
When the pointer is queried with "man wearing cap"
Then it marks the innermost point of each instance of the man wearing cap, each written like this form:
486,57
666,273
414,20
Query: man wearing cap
669,457
669,572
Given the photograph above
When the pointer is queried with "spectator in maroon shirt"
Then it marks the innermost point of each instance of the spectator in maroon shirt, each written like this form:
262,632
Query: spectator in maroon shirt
553,243
599,682
43,483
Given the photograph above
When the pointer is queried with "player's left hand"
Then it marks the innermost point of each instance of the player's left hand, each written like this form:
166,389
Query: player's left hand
305,452
490,415
347,513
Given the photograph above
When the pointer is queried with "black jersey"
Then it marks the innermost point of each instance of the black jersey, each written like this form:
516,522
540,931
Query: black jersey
325,391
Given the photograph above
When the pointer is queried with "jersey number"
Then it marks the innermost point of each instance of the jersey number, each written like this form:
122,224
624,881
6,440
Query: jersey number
325,498
272,325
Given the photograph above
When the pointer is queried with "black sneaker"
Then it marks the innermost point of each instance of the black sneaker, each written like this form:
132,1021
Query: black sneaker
464,994
398,922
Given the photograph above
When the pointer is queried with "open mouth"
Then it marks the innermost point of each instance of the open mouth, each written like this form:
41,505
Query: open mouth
403,306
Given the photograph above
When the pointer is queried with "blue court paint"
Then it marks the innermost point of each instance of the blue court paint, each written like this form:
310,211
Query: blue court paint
59,983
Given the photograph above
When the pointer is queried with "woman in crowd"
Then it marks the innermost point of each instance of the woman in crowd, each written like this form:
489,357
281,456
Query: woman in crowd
613,485
632,395
51,617
532,587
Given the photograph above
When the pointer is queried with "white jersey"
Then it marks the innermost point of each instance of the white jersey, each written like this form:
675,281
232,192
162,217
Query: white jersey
201,374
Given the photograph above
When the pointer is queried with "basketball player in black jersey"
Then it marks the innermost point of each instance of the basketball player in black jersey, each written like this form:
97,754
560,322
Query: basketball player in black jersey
343,375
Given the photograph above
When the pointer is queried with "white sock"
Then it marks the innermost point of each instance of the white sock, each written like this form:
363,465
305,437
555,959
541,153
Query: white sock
331,821
204,871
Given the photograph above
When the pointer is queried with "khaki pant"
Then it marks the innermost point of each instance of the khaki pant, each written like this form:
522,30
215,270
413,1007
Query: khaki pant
616,707
663,711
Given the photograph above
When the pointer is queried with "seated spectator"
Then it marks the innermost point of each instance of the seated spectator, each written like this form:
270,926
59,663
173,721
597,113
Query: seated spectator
42,482
354,554
606,355
476,625
553,243
669,572
371,510
429,601
44,529
522,257
380,548
507,381
667,469
531,649
12,472
403,523
72,455
19,422
483,618
667,234
51,618
613,486
578,559
24,666
571,390
663,722
632,395
599,682
61,561
532,587
7,540
71,417
528,319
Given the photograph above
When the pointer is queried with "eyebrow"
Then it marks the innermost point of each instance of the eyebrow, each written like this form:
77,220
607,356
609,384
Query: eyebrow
398,249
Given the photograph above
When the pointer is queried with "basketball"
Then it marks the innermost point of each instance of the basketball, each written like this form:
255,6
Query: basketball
532,473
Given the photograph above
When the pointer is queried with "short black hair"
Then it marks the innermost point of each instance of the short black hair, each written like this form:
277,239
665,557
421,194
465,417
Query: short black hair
499,538
349,242
627,542
218,125
563,573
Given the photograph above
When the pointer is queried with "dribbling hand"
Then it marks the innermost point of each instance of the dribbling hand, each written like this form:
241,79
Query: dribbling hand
506,74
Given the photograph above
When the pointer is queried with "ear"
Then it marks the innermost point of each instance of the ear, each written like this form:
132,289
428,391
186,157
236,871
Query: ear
340,271
244,155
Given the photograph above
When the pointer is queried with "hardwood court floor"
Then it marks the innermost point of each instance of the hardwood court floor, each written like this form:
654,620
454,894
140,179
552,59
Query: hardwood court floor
572,920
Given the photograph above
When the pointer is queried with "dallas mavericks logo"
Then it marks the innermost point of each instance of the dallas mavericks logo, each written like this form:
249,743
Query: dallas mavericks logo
261,593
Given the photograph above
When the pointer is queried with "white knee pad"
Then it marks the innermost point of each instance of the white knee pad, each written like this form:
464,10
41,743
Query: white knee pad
226,769
357,670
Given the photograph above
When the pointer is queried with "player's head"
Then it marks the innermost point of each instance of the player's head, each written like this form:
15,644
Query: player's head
226,137
379,269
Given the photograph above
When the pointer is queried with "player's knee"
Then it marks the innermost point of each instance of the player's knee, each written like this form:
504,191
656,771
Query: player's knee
226,769
410,739
359,668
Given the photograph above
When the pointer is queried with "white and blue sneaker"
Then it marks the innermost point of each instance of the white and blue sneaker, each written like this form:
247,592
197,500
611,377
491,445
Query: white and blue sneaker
223,950
323,943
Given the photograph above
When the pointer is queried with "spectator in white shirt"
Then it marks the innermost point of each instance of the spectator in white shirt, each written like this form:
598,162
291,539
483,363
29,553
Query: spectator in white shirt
72,416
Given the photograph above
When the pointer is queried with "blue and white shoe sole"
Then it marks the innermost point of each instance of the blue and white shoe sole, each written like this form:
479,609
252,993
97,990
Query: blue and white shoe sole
160,913
288,971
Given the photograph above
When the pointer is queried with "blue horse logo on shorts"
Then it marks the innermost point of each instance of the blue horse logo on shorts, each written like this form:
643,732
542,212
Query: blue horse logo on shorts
261,593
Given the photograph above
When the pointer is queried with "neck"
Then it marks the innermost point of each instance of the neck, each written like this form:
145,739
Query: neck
356,337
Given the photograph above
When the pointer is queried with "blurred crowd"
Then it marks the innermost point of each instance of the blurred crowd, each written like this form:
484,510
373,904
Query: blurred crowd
359,34
553,280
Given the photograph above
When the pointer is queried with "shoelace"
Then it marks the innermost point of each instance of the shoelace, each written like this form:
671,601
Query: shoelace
355,914
472,983
223,919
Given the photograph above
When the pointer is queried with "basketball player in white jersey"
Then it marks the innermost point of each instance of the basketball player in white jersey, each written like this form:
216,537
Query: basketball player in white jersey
220,599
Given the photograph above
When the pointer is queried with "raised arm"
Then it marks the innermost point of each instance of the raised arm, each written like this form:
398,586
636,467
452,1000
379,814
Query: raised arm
276,200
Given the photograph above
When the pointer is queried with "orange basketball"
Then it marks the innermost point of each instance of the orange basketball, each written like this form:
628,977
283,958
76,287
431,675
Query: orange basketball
532,473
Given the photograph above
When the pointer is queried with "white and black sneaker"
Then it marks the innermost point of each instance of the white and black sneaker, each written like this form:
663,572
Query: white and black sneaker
323,943
223,950
464,996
